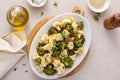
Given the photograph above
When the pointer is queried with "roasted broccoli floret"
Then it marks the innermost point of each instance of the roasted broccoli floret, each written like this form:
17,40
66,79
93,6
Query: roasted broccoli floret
38,60
80,25
59,45
79,42
73,34
40,50
56,46
56,53
69,27
68,62
40,44
63,45
56,49
52,30
71,52
49,69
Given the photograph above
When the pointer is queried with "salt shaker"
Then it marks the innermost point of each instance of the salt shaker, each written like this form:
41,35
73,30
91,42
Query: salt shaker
112,22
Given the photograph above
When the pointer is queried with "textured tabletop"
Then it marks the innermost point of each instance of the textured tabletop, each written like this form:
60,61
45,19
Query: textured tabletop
104,57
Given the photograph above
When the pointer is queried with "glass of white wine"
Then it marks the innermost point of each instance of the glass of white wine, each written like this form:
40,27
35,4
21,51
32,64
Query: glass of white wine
18,17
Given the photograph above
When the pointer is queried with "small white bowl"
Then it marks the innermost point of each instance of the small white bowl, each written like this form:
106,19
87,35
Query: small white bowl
37,5
104,8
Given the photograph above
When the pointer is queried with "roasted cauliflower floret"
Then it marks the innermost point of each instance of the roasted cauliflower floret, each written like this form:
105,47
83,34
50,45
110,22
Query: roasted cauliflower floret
43,38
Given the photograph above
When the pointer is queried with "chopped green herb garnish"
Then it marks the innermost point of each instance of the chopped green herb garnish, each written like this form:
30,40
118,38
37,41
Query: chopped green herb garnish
97,16
26,71
33,1
42,13
14,69
55,4
24,64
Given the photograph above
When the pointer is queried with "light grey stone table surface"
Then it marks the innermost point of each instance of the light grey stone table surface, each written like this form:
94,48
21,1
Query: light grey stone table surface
103,62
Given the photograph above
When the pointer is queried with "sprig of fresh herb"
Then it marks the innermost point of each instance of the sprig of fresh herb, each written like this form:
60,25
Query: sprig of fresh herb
55,4
97,16
33,1
26,71
24,64
42,13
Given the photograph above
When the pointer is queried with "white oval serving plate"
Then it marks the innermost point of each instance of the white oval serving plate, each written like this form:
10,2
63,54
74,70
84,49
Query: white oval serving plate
45,28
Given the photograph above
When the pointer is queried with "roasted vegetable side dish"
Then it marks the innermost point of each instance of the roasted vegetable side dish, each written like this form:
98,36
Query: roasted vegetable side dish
57,49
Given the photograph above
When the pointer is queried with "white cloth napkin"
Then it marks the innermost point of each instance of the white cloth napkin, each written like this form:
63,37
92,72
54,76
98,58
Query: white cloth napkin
11,50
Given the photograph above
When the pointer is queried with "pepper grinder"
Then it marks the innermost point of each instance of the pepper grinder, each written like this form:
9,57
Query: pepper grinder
112,22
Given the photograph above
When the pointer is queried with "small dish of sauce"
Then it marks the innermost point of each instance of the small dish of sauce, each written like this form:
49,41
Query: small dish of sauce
98,5
37,3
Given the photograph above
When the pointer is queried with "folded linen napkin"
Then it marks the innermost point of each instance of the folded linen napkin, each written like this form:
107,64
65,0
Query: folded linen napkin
11,50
